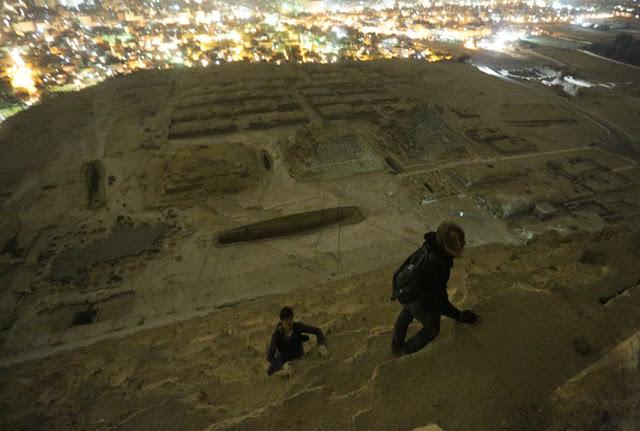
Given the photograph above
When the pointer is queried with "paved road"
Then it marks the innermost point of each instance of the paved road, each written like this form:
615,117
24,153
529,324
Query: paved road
608,59
617,140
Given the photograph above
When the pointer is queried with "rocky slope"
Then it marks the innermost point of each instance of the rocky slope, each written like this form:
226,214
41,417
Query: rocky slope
549,310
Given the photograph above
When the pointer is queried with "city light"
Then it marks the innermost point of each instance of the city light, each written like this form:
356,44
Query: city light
80,44
501,40
470,44
21,75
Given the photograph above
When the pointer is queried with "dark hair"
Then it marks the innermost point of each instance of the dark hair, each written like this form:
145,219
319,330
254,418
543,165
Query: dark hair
451,236
286,312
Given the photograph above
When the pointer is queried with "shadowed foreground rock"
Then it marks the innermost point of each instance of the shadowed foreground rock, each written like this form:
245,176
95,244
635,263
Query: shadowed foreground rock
606,395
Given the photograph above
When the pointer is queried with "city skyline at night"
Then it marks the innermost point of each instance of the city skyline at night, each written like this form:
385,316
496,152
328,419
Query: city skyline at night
49,46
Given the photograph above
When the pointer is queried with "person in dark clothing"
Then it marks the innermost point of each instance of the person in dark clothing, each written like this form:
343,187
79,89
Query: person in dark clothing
444,245
287,341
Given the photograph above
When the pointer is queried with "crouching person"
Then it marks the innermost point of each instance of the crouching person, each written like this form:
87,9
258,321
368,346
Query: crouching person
287,342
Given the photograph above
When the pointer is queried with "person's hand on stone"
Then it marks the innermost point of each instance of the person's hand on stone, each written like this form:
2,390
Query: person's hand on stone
322,350
286,371
468,316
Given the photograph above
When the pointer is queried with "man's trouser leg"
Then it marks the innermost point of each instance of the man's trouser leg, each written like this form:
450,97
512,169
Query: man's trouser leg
400,329
279,360
276,363
430,328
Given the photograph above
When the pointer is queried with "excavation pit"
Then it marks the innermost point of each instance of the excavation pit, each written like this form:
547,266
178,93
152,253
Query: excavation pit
94,173
266,160
84,317
124,241
292,224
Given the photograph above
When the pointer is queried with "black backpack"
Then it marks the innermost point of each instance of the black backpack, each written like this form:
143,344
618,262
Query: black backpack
406,280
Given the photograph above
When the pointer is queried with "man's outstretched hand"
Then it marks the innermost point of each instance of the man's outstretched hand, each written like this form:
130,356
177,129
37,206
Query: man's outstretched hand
324,353
468,316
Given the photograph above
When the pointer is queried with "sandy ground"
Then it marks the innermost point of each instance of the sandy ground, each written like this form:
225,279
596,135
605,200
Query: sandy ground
620,106
202,185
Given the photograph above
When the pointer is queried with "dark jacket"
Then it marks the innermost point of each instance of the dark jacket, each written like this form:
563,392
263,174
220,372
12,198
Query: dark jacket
291,347
435,278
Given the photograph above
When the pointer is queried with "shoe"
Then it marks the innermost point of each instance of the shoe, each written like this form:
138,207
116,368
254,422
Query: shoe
286,371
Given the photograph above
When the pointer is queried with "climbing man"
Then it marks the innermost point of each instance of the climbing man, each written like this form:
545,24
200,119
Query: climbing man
421,286
287,342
